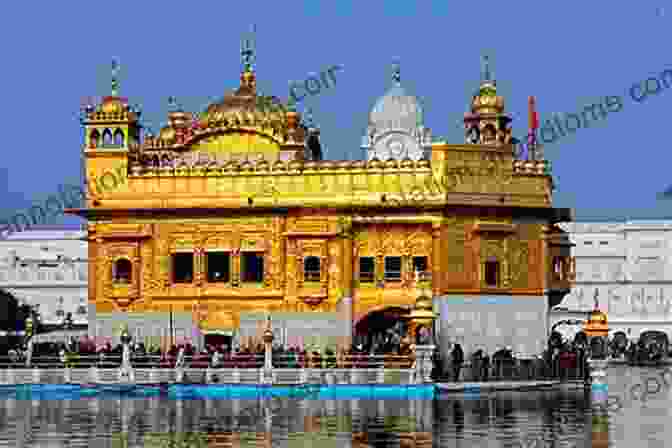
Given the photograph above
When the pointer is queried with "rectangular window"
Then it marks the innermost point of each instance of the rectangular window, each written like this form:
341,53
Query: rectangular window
492,273
367,269
183,267
252,267
218,265
393,269
311,269
587,243
420,264
603,243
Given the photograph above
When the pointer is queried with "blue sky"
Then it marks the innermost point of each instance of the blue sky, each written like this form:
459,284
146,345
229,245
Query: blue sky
567,54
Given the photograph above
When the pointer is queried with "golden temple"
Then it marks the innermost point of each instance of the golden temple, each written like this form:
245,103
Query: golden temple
233,213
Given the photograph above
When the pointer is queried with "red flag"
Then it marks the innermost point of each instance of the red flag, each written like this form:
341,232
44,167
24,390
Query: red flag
534,118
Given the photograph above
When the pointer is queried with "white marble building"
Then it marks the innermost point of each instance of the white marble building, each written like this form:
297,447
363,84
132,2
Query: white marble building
629,264
48,266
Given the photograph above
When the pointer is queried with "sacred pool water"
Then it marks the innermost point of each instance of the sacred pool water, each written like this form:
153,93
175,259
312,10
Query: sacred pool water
638,414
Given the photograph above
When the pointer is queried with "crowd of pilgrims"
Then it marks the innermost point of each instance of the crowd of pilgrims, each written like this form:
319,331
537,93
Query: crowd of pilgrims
562,357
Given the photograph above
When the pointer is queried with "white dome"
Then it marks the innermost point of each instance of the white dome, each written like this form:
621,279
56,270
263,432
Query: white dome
396,110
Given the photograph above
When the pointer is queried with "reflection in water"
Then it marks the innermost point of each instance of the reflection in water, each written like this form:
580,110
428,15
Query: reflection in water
560,418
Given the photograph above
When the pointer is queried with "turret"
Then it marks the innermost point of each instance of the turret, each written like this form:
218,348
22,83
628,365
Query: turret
487,124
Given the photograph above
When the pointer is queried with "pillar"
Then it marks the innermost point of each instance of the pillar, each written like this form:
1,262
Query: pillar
348,291
436,259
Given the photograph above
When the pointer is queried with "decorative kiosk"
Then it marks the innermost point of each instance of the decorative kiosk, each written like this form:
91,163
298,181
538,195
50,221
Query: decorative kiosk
420,326
597,330
268,365
126,372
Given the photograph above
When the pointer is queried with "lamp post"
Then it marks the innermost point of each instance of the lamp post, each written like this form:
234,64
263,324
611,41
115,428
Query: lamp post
29,340
268,340
67,325
421,323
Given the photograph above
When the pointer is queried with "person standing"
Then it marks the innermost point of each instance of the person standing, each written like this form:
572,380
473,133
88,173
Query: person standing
457,356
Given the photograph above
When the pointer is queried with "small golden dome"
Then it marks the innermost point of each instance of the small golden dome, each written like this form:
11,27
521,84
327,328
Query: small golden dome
263,165
295,165
597,317
423,303
167,134
112,105
375,164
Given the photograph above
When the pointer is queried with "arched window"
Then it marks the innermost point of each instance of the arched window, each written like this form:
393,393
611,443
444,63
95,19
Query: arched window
107,138
121,271
491,276
155,161
94,139
81,309
119,138
489,134
311,269
165,160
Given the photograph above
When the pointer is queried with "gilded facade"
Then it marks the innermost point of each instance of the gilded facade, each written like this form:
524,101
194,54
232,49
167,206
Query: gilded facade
234,211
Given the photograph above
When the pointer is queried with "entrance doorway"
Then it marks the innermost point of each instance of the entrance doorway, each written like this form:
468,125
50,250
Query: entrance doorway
382,330
217,340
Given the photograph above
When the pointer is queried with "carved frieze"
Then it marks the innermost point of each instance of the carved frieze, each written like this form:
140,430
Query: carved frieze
519,263
456,233
493,247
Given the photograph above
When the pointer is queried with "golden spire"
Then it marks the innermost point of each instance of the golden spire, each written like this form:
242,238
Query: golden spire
247,53
115,81
247,50
485,73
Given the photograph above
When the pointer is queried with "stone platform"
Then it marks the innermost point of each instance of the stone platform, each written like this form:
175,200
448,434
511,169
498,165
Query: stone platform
492,386
279,376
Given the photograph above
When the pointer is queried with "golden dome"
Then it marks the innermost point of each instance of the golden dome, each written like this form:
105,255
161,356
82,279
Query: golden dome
597,317
596,325
245,102
112,105
423,303
167,134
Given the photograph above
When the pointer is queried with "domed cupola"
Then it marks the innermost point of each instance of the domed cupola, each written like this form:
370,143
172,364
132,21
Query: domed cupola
396,129
487,123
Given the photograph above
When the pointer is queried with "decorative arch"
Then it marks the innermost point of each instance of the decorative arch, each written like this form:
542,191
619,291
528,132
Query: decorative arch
122,271
379,327
380,309
94,139
107,138
155,161
489,134
236,140
119,138
165,160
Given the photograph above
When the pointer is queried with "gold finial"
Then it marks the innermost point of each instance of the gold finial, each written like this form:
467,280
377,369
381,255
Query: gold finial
396,72
115,81
485,74
247,50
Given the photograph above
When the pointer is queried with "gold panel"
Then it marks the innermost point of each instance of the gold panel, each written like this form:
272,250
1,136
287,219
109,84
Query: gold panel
238,146
519,263
218,241
456,244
